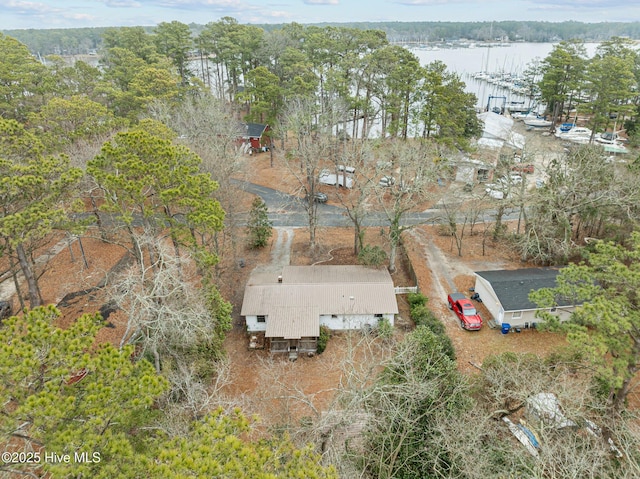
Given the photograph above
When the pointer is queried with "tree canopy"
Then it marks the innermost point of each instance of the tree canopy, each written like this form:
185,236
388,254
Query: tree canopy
61,394
605,326
33,191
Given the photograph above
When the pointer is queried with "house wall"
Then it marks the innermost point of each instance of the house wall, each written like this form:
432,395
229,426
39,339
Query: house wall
343,322
253,326
529,316
340,322
517,319
490,300
466,173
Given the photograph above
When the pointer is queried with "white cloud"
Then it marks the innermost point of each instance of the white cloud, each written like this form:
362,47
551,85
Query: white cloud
321,2
20,7
424,3
198,4
122,3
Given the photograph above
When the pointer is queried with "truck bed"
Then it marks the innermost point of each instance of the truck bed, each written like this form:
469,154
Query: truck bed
453,297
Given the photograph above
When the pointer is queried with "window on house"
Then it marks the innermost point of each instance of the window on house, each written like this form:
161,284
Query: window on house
378,316
262,318
516,315
334,316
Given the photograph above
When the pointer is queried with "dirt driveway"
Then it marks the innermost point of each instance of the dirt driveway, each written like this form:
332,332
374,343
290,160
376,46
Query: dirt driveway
440,270
280,251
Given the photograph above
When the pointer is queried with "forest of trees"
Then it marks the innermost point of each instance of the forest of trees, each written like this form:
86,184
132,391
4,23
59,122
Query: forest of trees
139,152
74,41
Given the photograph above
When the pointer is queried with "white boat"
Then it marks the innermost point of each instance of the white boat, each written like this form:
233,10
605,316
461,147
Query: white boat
608,138
523,115
577,134
615,148
517,107
537,122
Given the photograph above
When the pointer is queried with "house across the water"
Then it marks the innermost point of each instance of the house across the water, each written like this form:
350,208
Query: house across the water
290,308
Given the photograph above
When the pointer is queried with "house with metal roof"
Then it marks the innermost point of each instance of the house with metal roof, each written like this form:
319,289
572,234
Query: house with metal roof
290,308
505,293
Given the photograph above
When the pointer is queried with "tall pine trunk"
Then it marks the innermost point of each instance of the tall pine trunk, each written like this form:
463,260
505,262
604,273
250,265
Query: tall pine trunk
35,299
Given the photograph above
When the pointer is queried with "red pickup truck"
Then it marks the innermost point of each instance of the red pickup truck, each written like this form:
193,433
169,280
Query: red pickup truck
466,311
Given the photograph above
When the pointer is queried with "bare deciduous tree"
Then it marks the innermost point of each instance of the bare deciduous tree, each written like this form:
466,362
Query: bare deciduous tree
583,194
313,133
166,315
357,200
413,172
456,223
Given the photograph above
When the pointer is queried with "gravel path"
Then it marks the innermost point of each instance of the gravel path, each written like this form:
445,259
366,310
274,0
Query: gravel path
280,251
441,270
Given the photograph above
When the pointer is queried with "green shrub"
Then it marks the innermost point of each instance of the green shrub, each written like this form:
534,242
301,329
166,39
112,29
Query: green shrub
371,255
385,330
447,346
323,339
417,299
259,226
423,316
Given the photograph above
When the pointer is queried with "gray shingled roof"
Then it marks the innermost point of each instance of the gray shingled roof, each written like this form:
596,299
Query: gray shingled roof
512,287
254,130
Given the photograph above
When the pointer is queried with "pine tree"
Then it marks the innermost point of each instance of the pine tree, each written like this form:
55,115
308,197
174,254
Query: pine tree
259,226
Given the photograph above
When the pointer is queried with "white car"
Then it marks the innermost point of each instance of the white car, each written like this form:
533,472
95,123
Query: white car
494,191
512,179
387,181
495,194
516,179
347,169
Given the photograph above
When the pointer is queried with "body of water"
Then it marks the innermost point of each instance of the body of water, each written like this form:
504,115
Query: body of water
511,58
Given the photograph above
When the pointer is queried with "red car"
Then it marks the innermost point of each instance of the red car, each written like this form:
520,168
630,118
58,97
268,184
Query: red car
466,311
523,168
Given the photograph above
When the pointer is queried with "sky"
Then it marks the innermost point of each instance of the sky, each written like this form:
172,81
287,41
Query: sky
21,14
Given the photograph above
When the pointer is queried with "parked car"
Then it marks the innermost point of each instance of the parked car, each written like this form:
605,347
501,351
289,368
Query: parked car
320,197
346,169
5,310
517,179
512,179
529,169
466,311
387,181
495,191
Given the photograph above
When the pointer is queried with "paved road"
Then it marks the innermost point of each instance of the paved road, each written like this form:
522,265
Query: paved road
288,211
